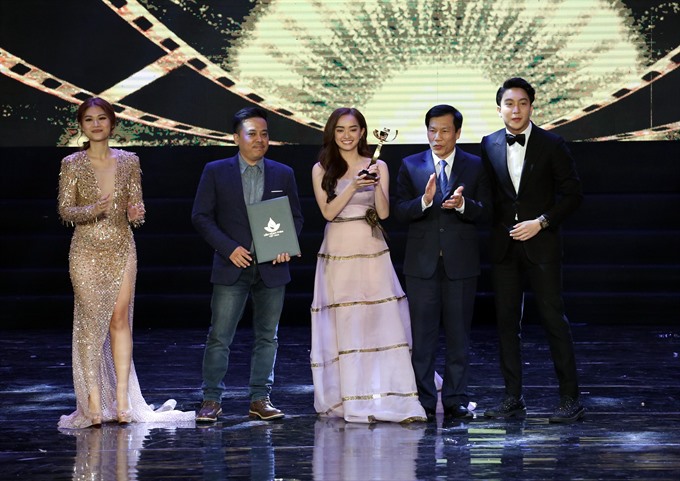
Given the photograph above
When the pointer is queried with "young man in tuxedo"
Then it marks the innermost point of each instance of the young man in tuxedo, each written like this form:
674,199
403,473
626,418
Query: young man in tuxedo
535,187
443,194
220,216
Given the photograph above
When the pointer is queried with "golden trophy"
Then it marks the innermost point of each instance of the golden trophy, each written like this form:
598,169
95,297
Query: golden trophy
382,137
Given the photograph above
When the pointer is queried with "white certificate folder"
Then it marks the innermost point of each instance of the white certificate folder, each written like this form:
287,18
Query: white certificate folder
273,229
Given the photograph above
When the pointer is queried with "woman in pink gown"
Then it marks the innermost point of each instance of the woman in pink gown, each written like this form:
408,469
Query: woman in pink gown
100,192
361,336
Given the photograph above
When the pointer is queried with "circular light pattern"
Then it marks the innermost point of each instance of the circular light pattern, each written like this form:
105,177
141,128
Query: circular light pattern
396,59
596,64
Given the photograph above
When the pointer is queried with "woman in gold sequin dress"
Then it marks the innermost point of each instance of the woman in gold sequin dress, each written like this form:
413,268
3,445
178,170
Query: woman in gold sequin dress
100,193
361,334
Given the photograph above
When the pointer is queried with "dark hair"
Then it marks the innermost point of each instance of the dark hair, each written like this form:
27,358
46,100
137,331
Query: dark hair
515,83
441,110
245,114
329,155
95,102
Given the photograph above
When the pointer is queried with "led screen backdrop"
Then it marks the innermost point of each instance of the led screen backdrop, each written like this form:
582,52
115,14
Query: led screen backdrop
176,70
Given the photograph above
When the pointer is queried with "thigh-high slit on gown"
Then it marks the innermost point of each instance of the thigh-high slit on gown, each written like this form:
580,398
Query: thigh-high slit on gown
361,334
102,254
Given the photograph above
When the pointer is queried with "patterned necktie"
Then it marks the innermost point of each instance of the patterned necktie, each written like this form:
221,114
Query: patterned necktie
443,180
511,139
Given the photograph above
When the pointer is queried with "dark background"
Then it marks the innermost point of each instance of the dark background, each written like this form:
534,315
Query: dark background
621,264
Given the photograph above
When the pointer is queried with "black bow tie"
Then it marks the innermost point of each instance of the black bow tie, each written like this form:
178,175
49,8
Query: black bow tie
511,139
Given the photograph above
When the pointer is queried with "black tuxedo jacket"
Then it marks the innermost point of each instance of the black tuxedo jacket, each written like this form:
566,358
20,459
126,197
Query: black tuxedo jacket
219,215
549,186
436,230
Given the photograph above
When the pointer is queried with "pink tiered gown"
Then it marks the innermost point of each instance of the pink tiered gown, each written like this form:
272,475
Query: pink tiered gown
361,334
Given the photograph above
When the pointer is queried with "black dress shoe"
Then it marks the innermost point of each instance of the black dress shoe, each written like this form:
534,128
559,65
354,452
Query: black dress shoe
431,415
569,411
458,412
510,407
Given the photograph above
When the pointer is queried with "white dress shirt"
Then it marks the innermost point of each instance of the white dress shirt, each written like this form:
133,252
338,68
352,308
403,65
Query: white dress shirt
437,167
516,153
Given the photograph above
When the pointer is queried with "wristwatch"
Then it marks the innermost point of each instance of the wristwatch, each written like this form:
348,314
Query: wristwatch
543,220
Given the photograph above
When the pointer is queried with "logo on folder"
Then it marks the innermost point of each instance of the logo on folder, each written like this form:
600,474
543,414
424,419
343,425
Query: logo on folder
272,229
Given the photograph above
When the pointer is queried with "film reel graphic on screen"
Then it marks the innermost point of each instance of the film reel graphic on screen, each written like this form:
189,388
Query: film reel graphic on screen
176,71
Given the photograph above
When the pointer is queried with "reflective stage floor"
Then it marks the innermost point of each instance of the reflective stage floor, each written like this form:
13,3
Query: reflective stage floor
629,380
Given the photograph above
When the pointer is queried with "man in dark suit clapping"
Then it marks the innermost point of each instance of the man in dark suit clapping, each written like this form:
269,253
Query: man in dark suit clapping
443,194
535,187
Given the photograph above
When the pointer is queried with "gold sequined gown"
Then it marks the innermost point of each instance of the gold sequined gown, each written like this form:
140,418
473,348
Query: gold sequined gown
361,328
102,251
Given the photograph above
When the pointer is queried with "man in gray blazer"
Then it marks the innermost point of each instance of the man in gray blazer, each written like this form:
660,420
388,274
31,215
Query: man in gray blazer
219,215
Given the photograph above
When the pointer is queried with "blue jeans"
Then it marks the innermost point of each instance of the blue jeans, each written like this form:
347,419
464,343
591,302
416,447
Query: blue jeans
228,304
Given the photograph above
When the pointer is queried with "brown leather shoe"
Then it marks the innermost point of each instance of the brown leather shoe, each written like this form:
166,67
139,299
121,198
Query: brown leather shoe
208,412
263,409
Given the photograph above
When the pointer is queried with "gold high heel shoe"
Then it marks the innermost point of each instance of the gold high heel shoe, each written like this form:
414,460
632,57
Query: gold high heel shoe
96,420
95,414
124,417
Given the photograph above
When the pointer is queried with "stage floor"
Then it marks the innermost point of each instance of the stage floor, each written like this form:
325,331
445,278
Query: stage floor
629,380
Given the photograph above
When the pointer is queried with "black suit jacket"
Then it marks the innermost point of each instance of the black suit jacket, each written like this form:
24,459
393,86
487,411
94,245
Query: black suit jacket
549,186
219,215
437,230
